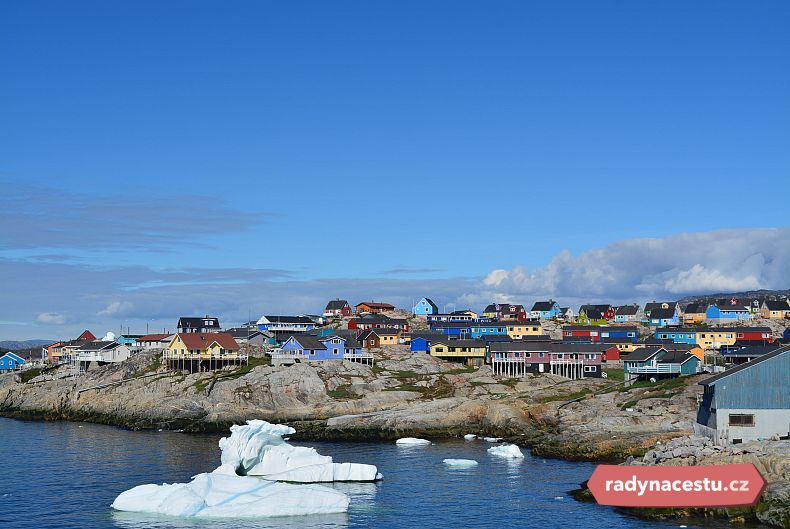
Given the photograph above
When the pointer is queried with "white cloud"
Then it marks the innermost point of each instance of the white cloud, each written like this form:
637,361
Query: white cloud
637,269
116,308
51,318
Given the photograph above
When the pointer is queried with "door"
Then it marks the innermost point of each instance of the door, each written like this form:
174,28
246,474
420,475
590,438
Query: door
540,368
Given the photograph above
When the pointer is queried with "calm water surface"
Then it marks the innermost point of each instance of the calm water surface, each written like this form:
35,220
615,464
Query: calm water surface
67,474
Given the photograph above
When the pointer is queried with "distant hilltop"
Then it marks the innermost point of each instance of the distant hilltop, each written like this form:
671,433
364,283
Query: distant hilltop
749,294
16,345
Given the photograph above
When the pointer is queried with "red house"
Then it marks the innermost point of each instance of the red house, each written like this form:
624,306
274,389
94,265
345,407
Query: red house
373,307
337,308
762,334
366,323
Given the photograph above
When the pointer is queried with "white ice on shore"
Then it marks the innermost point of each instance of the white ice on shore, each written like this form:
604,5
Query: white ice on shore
511,451
460,463
219,496
470,436
492,439
258,449
412,441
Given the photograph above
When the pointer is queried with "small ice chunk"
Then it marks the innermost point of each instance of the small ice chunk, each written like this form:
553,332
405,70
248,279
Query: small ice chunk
511,451
460,463
222,496
470,436
492,439
412,441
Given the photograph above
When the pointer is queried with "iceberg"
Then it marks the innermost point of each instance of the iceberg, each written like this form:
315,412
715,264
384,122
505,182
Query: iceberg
222,496
511,451
255,459
258,449
470,436
412,441
460,463
492,439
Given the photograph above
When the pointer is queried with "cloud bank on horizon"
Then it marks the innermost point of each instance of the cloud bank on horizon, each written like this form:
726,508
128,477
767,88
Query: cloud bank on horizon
728,260
55,300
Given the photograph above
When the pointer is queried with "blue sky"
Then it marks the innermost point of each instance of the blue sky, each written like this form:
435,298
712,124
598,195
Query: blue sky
410,147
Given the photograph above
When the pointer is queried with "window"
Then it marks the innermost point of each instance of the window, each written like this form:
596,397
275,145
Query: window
741,419
589,369
560,356
335,352
590,356
541,355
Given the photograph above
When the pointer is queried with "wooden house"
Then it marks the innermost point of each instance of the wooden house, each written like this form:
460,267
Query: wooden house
380,337
11,362
337,308
424,307
747,402
775,309
657,362
373,307
469,352
196,352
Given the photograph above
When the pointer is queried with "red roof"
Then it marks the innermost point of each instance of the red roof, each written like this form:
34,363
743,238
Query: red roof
153,337
202,341
87,335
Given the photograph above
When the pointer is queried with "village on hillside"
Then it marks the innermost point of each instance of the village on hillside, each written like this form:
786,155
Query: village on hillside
741,341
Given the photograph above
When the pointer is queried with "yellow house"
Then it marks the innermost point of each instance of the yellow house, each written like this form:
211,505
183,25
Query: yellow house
202,346
713,339
775,309
625,346
519,329
694,313
472,352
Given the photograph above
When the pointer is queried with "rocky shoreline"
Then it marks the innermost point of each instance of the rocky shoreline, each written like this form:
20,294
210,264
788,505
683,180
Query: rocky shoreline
402,395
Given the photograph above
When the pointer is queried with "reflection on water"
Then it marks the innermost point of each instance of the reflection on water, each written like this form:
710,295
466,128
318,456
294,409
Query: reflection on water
133,520
79,469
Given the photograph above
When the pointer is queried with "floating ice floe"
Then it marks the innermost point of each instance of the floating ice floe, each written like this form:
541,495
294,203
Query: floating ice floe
511,451
220,496
460,463
258,449
470,436
255,458
492,439
412,441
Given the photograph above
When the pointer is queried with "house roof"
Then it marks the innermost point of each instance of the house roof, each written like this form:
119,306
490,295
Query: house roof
376,319
99,345
543,305
153,337
612,339
428,336
600,308
285,319
696,308
13,356
336,304
662,314
653,305
738,329
627,310
676,357
643,353
86,335
753,350
307,342
777,305
376,305
505,308
200,340
429,302
731,308
379,332
605,328
764,358
198,323
241,333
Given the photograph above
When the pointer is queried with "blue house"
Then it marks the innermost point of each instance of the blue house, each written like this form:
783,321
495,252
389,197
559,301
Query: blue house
128,339
481,330
545,309
727,313
424,307
664,317
320,348
421,342
453,328
657,362
678,335
11,362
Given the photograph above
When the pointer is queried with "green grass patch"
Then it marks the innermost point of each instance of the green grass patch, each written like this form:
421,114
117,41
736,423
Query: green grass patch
400,375
376,369
342,392
406,387
614,374
462,370
628,404
509,382
29,374
565,396
155,364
